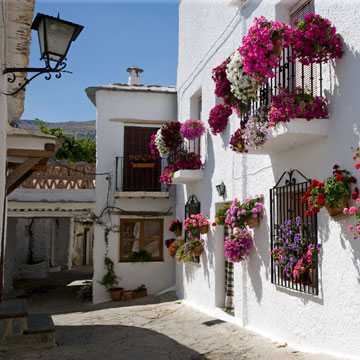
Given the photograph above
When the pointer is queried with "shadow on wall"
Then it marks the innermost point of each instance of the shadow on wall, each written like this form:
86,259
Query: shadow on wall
113,342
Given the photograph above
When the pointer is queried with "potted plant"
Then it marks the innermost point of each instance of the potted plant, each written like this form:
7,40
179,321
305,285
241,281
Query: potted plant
140,256
189,249
243,86
175,227
170,133
315,40
152,145
110,281
297,104
293,251
247,213
196,223
142,160
237,245
221,214
218,118
261,48
192,128
174,246
160,145
183,160
332,193
140,291
128,294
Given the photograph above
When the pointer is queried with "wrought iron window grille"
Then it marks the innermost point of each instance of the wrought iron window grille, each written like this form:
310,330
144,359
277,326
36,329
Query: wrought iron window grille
192,207
285,203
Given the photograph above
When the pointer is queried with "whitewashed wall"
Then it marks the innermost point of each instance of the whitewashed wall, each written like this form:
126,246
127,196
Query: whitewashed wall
329,322
122,105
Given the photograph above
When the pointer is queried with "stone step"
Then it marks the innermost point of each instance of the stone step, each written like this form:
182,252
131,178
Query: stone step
40,331
13,319
39,324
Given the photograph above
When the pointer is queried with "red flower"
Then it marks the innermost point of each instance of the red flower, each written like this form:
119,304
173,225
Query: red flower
321,184
339,177
308,213
314,182
321,202
357,166
336,166
354,195
315,210
352,179
310,202
354,158
214,223
227,223
219,217
310,187
307,194
303,199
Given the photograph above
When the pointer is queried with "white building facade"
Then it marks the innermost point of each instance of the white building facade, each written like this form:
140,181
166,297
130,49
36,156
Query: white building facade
324,322
130,202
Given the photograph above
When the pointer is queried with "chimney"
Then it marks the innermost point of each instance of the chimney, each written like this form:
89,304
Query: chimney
134,75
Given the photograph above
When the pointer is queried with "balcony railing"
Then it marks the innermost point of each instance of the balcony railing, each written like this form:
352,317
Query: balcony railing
72,176
290,74
187,145
129,178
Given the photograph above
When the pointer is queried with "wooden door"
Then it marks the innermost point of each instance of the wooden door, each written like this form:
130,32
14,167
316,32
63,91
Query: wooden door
136,141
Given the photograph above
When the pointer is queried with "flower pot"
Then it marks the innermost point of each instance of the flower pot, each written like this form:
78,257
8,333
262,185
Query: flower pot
139,293
197,251
178,256
277,49
253,222
116,294
143,165
204,229
128,294
177,232
337,210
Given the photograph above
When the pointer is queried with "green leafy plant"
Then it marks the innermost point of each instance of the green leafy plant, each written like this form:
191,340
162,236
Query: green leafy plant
72,150
221,214
140,256
110,280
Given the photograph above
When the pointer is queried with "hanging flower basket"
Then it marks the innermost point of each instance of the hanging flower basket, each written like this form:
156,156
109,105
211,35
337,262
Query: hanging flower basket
197,251
253,222
277,49
177,232
143,165
337,210
204,229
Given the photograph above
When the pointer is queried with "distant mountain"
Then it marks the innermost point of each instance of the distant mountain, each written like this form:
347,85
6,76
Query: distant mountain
78,129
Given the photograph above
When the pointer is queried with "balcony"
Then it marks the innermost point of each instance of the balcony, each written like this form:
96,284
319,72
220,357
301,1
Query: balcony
135,182
290,75
188,176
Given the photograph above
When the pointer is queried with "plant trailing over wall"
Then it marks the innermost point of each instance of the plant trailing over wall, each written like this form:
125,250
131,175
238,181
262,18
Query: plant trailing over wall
293,252
152,145
237,245
174,246
218,118
356,157
237,142
330,192
259,48
315,40
298,104
192,129
221,214
238,214
183,160
160,145
140,256
187,249
110,280
72,150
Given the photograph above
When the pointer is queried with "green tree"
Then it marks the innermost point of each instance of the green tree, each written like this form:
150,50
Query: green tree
72,150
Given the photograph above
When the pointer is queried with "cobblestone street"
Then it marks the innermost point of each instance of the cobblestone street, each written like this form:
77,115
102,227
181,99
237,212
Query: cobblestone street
149,328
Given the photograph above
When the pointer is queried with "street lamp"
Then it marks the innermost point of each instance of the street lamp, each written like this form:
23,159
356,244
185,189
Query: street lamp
55,37
221,189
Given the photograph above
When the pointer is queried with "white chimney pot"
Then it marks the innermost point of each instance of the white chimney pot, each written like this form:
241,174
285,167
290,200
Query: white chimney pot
134,75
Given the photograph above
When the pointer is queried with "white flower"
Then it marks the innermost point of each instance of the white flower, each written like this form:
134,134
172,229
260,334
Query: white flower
243,86
163,150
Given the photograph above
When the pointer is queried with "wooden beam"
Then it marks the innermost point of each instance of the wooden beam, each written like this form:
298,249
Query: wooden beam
141,213
14,165
20,173
30,153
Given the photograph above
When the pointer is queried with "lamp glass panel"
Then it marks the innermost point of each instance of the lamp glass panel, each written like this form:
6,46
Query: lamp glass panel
41,36
59,36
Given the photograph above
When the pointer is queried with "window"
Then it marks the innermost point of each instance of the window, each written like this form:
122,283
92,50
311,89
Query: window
141,234
285,204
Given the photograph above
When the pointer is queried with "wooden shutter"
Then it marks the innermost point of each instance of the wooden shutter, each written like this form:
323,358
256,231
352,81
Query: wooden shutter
136,141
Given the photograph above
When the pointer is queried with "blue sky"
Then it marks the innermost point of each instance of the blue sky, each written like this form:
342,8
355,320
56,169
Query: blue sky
117,34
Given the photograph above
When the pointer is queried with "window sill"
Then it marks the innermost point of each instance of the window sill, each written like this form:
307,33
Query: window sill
187,176
297,132
142,194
